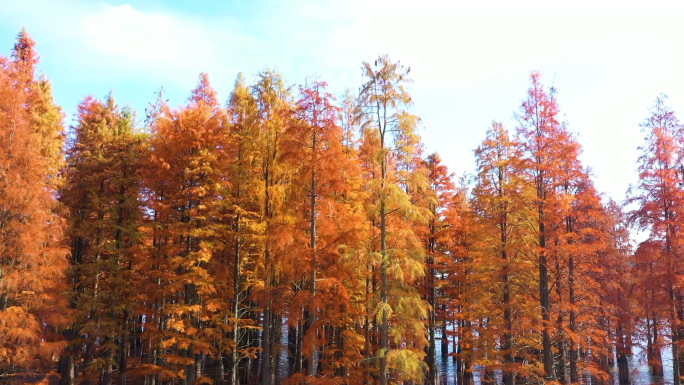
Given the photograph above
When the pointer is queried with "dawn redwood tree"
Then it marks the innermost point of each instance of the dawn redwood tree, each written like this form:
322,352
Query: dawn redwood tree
32,259
243,239
460,267
45,119
577,238
538,119
358,259
650,276
497,201
585,238
384,98
102,199
312,142
435,236
369,169
618,267
547,150
323,229
658,199
565,222
186,185
274,102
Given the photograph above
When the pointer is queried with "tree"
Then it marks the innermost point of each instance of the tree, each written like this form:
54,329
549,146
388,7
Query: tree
244,161
551,168
324,227
498,198
586,236
438,199
538,132
658,199
458,282
187,185
32,261
383,97
102,197
619,268
273,103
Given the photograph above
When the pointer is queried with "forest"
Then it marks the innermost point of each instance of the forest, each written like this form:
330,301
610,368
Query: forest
286,236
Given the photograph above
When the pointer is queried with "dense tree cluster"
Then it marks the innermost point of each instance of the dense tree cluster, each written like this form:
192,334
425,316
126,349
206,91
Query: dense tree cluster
288,237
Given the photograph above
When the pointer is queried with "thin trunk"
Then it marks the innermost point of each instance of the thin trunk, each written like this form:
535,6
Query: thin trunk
124,346
367,325
384,328
544,298
267,340
433,372
507,341
266,369
679,305
67,369
463,367
123,343
560,332
572,350
311,366
454,341
339,354
234,358
445,338
297,337
220,370
675,337
106,378
655,350
622,361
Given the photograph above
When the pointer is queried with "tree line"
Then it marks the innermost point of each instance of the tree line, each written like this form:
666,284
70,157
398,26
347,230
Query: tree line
286,236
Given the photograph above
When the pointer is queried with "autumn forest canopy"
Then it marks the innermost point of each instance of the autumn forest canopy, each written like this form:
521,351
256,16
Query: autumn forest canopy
287,235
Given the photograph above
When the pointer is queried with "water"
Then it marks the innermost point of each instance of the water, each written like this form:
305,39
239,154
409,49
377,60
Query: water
639,373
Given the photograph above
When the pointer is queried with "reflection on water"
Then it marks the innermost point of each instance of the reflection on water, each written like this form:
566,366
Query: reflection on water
447,366
639,373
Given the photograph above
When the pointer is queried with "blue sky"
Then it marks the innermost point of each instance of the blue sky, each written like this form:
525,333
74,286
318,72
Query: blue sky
470,60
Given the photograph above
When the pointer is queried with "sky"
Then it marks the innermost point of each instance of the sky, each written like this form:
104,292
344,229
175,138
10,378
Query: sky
470,60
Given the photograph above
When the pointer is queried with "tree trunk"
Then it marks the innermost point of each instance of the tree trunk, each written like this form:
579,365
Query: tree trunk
266,370
339,354
655,358
560,333
463,367
445,338
220,370
622,354
124,345
433,372
675,337
572,349
384,327
298,339
67,369
311,364
507,340
545,300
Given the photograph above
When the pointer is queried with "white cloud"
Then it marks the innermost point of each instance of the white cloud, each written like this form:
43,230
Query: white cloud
149,42
168,48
